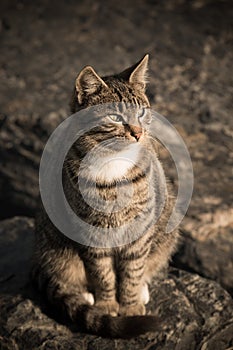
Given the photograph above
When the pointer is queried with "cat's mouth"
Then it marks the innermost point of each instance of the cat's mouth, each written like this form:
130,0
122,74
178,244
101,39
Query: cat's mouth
134,132
131,139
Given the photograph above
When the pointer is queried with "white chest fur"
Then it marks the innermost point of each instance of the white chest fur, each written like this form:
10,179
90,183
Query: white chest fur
116,166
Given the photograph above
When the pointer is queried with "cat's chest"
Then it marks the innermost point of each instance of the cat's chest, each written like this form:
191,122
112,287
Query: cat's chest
115,166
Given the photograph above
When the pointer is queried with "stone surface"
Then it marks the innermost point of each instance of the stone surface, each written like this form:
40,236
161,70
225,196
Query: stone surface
194,312
207,246
20,159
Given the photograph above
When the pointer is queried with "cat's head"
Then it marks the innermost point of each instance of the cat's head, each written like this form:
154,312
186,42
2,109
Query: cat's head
125,92
127,86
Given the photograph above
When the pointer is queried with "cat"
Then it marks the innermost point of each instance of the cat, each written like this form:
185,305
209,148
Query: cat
106,288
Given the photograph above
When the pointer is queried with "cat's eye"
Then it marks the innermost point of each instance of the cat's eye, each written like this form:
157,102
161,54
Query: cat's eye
115,118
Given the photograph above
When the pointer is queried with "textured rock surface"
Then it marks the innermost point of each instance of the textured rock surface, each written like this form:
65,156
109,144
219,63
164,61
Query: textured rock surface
194,313
207,247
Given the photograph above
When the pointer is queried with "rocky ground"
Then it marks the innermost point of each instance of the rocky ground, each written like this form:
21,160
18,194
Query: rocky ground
43,47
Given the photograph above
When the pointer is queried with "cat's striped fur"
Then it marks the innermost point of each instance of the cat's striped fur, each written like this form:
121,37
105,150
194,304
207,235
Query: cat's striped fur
107,288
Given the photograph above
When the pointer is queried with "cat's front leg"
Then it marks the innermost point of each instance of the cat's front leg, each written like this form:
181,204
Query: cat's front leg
103,281
131,287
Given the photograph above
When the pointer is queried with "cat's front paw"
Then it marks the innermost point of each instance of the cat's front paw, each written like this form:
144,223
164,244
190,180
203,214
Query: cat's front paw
132,310
144,294
89,298
107,307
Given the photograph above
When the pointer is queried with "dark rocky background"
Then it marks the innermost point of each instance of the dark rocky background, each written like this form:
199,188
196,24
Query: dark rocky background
44,44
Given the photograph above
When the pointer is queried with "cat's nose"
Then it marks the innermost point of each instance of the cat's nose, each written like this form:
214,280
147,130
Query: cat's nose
137,135
136,132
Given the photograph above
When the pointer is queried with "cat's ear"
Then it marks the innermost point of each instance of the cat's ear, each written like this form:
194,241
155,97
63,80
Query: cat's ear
137,74
138,77
88,82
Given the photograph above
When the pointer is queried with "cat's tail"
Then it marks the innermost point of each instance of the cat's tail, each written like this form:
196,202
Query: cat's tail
117,327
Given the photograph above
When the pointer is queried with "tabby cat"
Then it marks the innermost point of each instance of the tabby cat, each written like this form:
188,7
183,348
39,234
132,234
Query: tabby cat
106,287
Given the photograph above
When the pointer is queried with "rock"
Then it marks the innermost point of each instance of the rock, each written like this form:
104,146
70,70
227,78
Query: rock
16,244
207,247
194,313
20,159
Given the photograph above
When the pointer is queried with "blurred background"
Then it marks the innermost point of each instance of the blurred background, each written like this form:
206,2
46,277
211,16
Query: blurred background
44,44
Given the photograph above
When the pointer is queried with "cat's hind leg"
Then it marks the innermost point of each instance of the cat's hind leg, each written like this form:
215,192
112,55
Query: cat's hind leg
63,280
